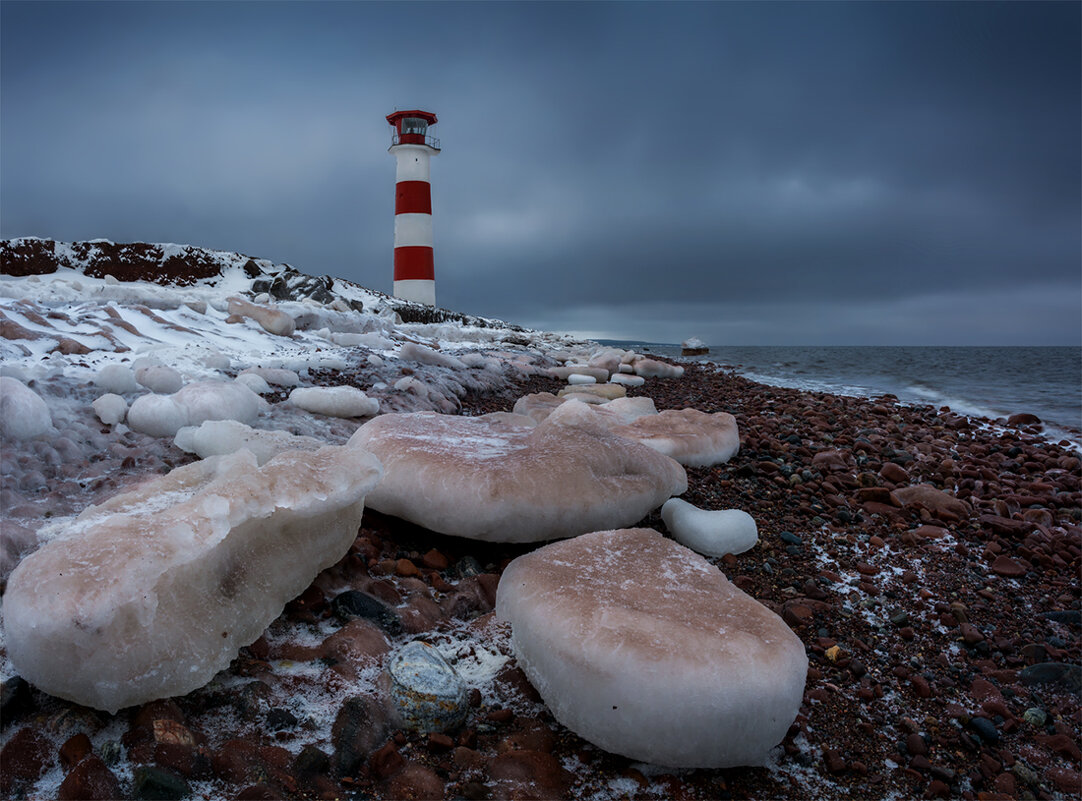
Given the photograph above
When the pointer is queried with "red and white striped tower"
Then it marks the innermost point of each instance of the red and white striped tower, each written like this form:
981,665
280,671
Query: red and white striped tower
414,274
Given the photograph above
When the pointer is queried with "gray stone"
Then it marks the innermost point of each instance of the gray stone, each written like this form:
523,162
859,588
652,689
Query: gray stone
426,692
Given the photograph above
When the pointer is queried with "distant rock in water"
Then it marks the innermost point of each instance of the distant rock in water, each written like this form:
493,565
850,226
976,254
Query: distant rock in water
693,347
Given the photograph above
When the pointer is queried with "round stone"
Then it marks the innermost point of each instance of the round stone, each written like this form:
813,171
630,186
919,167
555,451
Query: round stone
426,690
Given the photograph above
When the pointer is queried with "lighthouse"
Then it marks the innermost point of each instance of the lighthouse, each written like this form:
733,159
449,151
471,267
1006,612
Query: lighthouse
414,275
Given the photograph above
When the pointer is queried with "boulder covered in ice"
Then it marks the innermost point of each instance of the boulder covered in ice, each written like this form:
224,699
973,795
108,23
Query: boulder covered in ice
110,408
151,593
219,437
164,415
413,352
498,479
341,401
159,378
691,437
116,378
563,373
627,380
272,320
579,378
713,532
279,376
651,368
645,649
23,413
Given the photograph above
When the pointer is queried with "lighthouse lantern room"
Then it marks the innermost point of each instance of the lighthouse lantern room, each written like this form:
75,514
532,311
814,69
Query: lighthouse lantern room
414,274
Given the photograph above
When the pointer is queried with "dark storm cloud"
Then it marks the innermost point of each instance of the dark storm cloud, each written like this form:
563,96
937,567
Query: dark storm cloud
762,172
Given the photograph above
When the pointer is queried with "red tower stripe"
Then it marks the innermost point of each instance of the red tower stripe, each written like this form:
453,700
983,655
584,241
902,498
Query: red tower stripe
413,263
413,197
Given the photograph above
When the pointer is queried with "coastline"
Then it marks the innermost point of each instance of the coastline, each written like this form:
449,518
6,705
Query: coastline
933,633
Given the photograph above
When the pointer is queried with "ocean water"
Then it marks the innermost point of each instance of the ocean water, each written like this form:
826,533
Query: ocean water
988,382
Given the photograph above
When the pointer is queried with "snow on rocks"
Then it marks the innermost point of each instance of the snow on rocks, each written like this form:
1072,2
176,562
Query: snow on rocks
427,694
220,437
273,321
710,532
341,401
110,408
691,437
154,591
23,414
159,378
498,479
645,649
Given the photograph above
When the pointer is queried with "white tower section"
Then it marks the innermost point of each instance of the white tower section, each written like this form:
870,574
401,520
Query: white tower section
414,272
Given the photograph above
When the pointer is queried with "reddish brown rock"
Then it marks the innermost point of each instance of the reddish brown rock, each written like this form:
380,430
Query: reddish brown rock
386,761
25,758
415,782
1023,419
74,749
356,645
1007,567
939,503
894,473
528,775
434,560
90,780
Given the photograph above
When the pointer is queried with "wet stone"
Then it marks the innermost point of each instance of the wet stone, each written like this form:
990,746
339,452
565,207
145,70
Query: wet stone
159,785
14,698
279,719
1053,673
354,603
985,729
427,693
90,780
790,538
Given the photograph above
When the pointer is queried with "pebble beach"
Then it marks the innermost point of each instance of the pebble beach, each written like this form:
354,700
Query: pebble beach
928,562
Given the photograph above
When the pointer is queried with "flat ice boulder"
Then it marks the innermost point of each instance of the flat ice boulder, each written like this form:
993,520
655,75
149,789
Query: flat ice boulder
221,437
23,413
500,479
713,532
691,437
618,411
151,593
159,378
645,649
340,401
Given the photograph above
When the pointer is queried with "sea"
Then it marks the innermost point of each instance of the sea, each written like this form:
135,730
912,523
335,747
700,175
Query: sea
992,382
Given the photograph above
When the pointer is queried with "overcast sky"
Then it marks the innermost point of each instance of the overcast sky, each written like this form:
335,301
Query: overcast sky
761,173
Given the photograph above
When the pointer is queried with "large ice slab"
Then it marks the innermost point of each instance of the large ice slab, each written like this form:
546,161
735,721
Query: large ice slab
691,437
151,593
645,649
497,478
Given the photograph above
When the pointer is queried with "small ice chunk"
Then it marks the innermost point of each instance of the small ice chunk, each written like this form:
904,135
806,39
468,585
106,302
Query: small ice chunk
159,378
340,401
220,437
278,376
579,378
110,408
116,378
154,591
254,382
710,532
375,360
627,380
23,414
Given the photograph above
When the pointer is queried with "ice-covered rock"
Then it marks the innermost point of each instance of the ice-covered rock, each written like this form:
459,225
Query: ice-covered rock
157,415
220,437
579,378
651,368
606,392
15,540
710,532
23,414
117,379
159,378
691,437
110,408
342,401
279,376
151,593
164,415
496,479
254,382
627,380
272,320
562,373
645,649
473,360
410,351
